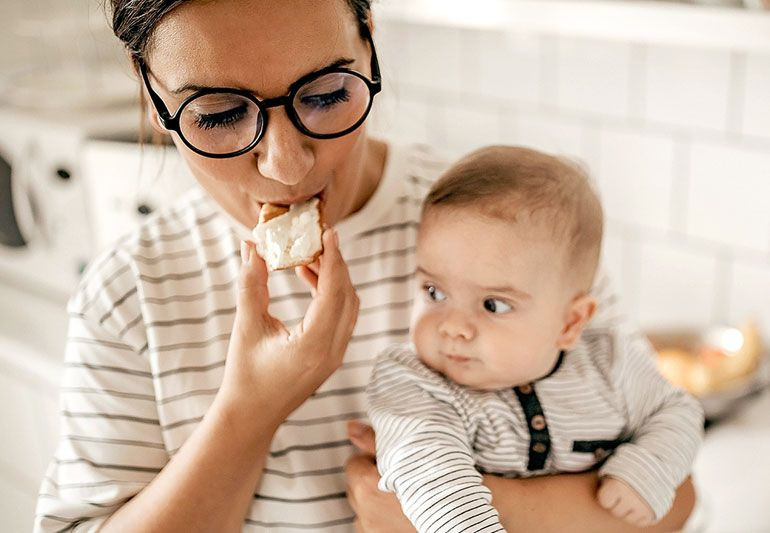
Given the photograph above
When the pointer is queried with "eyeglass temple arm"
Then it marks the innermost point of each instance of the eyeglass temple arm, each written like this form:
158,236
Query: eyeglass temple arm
160,106
375,64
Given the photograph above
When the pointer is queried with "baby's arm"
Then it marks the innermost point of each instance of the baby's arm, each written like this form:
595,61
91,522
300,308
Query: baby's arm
666,425
423,449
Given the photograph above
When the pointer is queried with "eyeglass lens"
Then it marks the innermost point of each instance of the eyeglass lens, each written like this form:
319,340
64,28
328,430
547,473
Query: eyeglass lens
222,123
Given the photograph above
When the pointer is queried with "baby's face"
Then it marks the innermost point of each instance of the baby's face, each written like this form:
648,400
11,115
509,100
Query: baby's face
491,300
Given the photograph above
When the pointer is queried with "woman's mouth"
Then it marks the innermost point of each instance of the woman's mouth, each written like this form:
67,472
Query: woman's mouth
291,200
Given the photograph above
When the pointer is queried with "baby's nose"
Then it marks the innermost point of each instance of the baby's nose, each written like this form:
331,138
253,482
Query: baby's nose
456,325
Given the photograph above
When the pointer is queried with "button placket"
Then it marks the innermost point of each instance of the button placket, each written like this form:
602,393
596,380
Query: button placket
539,438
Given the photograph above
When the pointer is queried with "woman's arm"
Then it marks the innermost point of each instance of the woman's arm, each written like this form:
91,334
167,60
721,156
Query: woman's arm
567,502
209,484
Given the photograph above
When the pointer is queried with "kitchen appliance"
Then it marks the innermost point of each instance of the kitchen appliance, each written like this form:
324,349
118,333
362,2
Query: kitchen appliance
45,237
125,182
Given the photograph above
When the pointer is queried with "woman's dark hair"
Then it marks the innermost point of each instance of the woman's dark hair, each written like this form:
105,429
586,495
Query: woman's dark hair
134,21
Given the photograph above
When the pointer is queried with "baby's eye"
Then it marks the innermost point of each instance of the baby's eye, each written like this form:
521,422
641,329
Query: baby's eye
494,305
433,293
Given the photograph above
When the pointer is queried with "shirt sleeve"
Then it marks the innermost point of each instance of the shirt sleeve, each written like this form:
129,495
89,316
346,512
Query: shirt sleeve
666,424
110,445
424,449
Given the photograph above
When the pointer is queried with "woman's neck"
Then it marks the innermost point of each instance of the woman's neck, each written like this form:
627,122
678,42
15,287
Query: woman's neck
372,171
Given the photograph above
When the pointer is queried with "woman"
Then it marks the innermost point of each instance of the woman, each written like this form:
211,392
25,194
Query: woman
200,395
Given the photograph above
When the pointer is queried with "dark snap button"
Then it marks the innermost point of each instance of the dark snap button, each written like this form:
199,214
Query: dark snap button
539,447
600,453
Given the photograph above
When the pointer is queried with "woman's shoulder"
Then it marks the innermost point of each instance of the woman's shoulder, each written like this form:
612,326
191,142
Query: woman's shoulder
423,164
167,253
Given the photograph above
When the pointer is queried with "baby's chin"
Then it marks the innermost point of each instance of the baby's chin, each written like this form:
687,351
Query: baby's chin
476,379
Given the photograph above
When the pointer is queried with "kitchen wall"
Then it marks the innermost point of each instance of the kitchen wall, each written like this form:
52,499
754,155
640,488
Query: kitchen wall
678,140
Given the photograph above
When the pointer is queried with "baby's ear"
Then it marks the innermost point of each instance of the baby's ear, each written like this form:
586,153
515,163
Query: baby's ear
579,312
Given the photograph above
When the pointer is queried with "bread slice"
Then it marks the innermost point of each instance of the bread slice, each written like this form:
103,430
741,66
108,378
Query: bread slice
287,237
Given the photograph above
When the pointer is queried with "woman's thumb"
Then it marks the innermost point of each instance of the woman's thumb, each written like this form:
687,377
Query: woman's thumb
362,437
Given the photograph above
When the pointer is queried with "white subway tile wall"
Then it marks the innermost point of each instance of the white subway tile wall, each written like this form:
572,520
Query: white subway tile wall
468,128
687,88
518,79
547,131
634,173
756,102
750,293
677,139
676,286
591,75
729,195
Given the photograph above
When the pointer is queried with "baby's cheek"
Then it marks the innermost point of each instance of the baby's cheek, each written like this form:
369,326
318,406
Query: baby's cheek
418,331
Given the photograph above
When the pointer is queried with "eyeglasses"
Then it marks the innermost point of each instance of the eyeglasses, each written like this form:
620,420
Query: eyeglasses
221,123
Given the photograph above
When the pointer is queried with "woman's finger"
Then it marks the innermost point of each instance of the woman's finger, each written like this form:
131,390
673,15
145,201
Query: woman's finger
362,437
252,316
252,288
336,297
315,267
309,277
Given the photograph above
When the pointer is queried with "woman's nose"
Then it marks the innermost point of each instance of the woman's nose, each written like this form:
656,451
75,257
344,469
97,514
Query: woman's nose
456,325
283,154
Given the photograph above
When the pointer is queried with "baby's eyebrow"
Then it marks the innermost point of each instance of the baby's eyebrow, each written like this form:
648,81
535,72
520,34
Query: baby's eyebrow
507,289
424,272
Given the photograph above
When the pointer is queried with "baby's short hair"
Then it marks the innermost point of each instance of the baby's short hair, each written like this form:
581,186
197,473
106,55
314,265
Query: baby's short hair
505,182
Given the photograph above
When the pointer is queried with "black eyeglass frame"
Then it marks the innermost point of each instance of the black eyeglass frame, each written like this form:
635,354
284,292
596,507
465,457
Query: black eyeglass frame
171,122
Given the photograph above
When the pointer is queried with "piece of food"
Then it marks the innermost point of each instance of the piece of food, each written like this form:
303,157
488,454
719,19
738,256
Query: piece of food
290,236
708,368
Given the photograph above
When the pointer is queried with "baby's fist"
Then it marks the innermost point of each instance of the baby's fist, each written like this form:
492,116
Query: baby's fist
624,502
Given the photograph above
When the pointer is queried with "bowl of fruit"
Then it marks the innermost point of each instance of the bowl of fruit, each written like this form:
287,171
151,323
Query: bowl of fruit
720,365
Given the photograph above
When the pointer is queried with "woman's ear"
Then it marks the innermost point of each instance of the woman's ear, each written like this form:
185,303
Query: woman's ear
579,312
152,114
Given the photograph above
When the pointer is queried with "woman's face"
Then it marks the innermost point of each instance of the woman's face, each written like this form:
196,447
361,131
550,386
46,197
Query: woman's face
263,46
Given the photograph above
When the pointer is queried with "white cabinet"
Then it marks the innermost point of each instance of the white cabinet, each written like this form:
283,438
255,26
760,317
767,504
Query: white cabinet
32,331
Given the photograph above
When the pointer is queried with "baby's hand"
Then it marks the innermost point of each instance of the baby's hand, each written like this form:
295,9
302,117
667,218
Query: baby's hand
624,502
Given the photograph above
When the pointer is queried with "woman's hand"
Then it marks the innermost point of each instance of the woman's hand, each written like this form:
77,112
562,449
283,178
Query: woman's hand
267,364
376,511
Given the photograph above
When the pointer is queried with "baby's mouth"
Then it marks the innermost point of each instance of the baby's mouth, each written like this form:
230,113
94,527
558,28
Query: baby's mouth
457,358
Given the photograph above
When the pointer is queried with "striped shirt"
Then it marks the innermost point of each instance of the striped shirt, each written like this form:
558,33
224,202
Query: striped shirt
604,404
149,329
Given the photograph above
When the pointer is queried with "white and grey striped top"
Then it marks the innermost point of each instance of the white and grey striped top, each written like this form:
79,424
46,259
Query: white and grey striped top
148,334
605,396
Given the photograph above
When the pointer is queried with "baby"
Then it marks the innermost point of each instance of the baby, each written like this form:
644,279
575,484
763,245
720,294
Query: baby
500,376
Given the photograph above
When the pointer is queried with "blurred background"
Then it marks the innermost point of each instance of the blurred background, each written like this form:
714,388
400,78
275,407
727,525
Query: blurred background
665,103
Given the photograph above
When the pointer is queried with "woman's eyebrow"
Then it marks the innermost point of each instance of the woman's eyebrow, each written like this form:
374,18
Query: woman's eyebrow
192,87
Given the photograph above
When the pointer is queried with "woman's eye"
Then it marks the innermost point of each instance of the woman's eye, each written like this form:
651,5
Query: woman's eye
221,119
494,305
326,100
433,293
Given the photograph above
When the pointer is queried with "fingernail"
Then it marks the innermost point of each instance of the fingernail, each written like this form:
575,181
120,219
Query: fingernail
244,252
